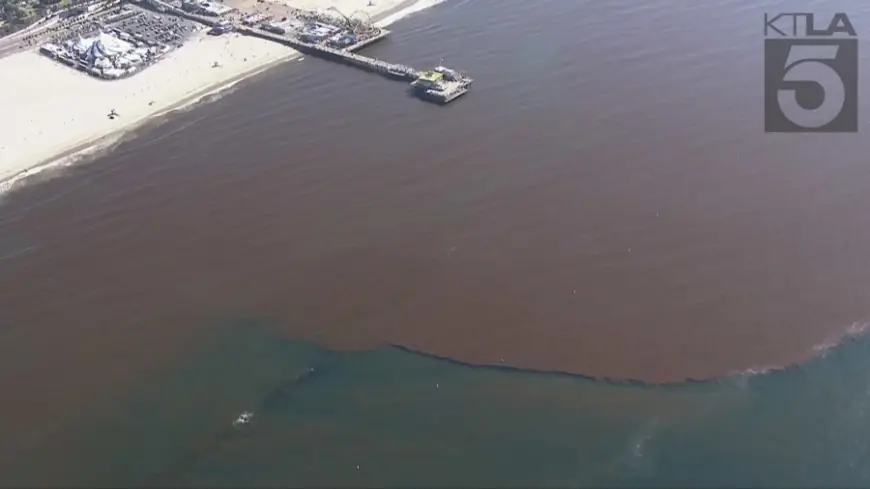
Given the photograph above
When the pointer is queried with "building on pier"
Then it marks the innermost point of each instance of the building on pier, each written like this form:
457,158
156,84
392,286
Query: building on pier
430,80
441,85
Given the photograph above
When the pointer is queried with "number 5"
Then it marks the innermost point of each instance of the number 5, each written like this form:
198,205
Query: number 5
803,65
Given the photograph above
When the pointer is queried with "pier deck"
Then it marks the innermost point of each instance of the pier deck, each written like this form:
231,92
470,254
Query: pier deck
346,55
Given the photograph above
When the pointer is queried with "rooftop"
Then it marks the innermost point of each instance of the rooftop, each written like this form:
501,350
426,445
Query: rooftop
431,76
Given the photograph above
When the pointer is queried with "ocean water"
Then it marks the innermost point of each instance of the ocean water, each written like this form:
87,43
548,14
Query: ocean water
389,417
604,202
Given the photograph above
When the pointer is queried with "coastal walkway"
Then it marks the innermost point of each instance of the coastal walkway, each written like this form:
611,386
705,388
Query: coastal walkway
346,56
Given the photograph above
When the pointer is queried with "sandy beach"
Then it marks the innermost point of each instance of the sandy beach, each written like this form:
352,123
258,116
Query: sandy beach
58,110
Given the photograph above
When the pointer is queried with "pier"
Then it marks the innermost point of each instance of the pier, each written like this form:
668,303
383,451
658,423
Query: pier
317,34
445,90
346,56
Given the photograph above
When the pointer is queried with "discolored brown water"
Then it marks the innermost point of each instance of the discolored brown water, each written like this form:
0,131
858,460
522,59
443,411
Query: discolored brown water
604,202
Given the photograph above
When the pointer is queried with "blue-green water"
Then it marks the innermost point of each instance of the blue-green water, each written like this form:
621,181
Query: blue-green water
406,419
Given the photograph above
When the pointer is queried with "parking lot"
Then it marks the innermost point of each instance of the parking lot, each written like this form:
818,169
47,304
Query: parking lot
154,28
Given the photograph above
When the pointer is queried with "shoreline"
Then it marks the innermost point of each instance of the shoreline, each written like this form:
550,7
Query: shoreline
58,154
94,147
103,143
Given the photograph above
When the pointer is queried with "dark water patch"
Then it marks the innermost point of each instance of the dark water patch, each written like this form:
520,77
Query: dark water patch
389,417
203,397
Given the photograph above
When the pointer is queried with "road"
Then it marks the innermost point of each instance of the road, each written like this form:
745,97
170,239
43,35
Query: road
34,34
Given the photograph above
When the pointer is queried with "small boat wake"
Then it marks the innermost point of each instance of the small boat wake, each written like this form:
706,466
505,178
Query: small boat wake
243,420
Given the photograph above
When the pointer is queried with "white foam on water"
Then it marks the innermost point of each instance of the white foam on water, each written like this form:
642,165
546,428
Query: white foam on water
822,349
19,179
634,458
819,350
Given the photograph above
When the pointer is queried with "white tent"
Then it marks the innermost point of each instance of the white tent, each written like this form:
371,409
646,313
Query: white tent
102,46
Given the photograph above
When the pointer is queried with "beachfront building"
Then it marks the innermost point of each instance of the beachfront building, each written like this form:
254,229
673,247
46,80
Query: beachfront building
210,9
104,55
110,56
316,32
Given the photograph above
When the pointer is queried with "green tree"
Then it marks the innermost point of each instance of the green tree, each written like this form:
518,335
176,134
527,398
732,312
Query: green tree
14,12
